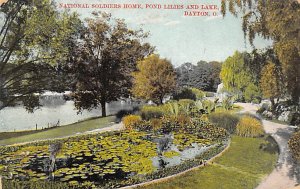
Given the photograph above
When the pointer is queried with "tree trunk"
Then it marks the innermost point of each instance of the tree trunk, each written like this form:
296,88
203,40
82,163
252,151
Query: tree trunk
161,100
272,104
103,108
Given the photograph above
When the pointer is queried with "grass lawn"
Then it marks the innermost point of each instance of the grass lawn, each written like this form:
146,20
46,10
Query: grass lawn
243,166
58,132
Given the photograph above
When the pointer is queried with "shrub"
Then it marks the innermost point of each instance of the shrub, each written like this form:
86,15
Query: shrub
249,127
186,106
209,106
156,123
252,94
224,120
122,113
149,112
198,93
254,116
184,93
295,118
227,103
173,108
294,145
131,121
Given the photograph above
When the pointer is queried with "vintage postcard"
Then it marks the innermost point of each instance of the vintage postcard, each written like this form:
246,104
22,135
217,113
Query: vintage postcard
201,94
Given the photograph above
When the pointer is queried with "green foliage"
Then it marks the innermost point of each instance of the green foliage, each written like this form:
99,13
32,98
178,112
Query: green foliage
154,79
249,127
34,37
15,184
227,103
199,93
149,112
270,82
209,106
237,77
170,154
186,106
93,160
184,93
189,93
173,108
252,93
204,75
294,145
244,161
102,61
234,73
264,18
131,121
224,120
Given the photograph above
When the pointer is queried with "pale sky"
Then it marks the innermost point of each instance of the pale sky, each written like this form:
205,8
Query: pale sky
179,38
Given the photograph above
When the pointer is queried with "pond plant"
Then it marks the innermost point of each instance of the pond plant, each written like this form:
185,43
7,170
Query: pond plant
115,159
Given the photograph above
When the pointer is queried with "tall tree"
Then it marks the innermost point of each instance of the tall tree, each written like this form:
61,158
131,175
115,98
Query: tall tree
279,21
154,79
103,59
33,36
234,73
270,82
204,75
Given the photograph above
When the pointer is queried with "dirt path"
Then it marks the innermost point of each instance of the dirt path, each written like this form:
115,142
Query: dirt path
114,127
286,175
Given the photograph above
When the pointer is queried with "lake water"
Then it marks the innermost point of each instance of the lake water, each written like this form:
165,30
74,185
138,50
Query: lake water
55,109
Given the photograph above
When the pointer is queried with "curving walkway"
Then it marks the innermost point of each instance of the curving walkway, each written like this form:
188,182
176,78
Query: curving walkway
286,175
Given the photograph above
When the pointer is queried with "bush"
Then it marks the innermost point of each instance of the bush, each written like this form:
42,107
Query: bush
186,106
295,118
198,93
249,127
184,93
224,120
122,113
254,116
131,121
156,123
252,94
294,145
209,106
227,103
149,112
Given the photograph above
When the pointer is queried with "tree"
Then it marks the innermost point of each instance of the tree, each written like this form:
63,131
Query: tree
154,79
270,82
252,93
183,73
279,21
33,41
235,75
204,75
103,59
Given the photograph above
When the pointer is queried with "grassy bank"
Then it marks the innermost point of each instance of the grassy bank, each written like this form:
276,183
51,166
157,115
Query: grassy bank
243,166
56,132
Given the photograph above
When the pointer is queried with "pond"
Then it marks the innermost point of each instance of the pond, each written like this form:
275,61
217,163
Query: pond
55,110
99,159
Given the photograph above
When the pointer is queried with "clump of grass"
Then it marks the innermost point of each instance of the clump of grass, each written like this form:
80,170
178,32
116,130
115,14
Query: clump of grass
131,121
225,120
249,127
149,112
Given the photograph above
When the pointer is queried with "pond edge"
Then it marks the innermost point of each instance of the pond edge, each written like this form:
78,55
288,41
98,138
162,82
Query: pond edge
164,179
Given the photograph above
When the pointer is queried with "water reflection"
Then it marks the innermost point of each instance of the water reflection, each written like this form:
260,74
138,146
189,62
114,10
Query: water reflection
54,110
